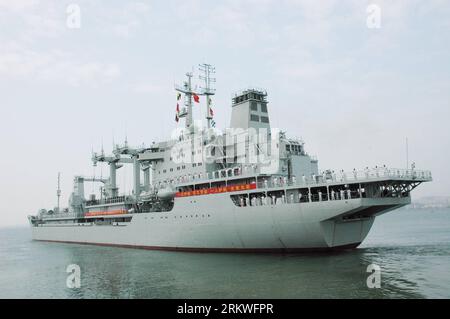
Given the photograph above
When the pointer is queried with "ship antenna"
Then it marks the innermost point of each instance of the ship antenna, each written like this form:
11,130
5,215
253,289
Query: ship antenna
207,71
101,177
58,191
103,150
407,153
113,141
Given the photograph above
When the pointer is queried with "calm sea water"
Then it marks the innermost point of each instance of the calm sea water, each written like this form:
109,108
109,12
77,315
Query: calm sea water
412,247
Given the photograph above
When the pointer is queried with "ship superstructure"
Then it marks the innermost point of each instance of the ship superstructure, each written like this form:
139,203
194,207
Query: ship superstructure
249,187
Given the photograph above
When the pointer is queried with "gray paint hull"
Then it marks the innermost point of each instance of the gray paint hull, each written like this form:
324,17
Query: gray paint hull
214,223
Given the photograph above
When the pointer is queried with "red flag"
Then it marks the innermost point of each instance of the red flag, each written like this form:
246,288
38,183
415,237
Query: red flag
177,118
196,98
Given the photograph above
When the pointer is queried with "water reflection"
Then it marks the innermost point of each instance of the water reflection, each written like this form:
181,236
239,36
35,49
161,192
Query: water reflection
414,258
125,273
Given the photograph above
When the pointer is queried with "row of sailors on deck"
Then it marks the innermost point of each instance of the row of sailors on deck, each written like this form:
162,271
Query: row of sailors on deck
260,200
325,176
284,180
342,176
328,176
263,200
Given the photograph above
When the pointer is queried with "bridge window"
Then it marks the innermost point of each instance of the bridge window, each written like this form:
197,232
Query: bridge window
264,119
254,118
264,107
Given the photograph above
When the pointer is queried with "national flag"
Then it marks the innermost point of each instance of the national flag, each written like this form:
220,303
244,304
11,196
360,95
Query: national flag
178,96
213,124
196,98
177,118
211,112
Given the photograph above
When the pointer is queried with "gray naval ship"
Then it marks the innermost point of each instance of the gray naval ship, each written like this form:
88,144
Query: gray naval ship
248,188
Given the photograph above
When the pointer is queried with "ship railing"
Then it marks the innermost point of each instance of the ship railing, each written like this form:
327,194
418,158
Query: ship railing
345,177
325,178
59,215
376,173
223,174
112,200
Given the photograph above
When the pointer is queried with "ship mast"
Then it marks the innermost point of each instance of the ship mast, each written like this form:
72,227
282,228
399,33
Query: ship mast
186,89
207,70
189,93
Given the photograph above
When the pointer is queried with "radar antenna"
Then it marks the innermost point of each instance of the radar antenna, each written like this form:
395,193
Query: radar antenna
58,191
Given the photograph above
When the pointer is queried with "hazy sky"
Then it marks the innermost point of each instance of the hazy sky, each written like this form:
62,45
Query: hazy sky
353,93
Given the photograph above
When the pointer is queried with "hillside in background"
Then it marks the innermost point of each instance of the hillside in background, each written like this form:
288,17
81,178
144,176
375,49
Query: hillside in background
431,202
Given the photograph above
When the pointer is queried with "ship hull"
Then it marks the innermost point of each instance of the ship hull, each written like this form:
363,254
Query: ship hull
194,225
